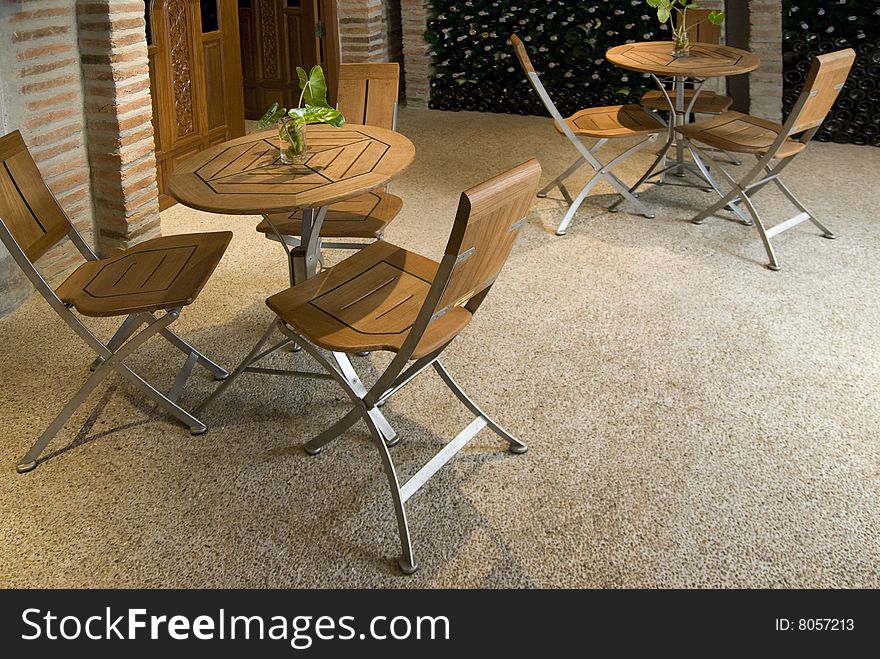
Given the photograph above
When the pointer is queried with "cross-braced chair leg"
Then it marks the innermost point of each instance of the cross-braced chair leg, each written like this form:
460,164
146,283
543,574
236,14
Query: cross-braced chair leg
369,413
131,324
659,160
743,191
356,392
558,182
604,172
113,361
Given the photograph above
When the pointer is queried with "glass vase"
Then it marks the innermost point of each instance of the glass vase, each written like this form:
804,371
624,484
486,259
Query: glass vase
292,142
681,45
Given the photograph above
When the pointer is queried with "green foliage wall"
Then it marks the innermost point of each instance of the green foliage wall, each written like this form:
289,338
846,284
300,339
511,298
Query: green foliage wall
475,68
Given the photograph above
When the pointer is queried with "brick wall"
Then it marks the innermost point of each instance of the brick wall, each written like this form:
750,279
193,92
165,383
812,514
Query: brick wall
363,30
113,51
41,95
417,64
765,84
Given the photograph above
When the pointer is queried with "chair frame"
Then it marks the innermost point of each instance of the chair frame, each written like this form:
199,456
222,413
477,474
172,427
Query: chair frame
400,372
587,155
768,169
110,356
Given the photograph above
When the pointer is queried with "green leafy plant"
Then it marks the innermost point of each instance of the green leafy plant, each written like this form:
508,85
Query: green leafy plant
312,108
679,25
316,109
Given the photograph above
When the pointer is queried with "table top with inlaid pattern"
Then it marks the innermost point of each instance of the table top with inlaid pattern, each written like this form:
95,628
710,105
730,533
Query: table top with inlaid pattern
245,176
704,61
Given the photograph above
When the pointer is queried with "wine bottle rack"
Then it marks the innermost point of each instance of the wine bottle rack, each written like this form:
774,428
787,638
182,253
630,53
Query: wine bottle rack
811,28
475,68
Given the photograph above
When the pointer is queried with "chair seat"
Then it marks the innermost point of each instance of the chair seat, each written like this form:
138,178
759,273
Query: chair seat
708,102
612,121
364,216
740,133
162,273
368,302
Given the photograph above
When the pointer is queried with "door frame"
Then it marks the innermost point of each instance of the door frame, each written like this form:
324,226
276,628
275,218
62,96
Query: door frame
331,51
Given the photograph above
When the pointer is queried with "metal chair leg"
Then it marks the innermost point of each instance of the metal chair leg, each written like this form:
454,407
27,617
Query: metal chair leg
354,381
218,371
247,361
576,203
557,182
196,427
407,561
629,196
316,444
762,231
29,461
516,446
373,418
345,375
128,327
704,170
661,158
826,232
731,196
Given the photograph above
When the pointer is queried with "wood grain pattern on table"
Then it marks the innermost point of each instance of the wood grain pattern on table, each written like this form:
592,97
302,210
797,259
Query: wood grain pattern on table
705,61
245,176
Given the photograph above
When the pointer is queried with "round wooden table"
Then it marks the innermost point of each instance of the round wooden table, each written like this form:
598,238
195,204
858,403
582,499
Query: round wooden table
245,176
705,61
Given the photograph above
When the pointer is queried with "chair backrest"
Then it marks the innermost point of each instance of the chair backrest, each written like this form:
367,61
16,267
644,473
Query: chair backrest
701,30
490,216
27,207
523,56
367,93
826,78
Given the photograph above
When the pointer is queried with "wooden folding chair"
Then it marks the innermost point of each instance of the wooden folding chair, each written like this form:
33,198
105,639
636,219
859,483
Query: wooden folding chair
774,146
162,274
603,124
367,94
387,298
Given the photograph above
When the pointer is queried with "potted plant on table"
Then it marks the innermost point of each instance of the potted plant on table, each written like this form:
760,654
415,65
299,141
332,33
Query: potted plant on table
680,41
312,108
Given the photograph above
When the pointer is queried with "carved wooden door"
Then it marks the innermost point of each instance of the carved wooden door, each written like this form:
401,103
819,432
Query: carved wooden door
195,79
276,37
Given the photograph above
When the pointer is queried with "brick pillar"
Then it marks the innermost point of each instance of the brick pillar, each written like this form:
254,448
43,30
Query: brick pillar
417,64
765,84
363,30
121,150
41,95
